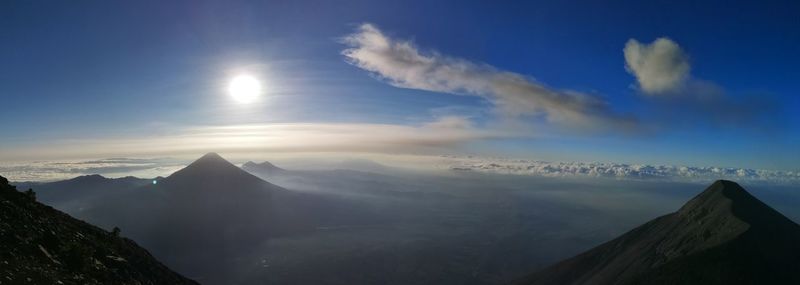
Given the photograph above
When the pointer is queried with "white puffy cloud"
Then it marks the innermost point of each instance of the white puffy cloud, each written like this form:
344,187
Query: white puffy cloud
402,64
660,67
663,72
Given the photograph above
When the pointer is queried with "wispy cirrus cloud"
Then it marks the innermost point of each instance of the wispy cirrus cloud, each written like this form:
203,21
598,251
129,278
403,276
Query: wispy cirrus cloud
402,64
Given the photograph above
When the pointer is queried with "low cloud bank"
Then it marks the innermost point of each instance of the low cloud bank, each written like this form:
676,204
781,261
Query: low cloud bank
109,167
148,168
618,170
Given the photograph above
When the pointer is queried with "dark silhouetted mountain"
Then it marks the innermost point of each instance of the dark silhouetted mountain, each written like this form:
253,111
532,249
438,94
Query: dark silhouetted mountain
210,200
40,245
212,211
265,167
79,193
82,186
722,236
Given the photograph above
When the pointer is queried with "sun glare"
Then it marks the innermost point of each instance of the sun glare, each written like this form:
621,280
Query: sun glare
244,88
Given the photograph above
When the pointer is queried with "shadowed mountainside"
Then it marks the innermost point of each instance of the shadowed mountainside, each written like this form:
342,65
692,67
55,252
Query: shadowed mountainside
41,245
77,194
722,236
212,212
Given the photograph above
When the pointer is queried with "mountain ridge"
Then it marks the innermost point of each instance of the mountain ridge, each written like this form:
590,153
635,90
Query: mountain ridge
41,245
724,235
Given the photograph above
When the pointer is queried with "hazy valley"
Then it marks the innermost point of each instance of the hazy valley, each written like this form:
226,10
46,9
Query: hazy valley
219,224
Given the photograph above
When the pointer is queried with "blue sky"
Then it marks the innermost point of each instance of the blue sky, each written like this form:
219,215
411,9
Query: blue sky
101,79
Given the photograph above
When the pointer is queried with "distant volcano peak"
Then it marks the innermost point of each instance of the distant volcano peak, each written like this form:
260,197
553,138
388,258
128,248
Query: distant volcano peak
211,166
265,166
211,156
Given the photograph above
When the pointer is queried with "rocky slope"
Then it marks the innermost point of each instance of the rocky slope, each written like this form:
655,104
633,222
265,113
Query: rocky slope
40,245
722,236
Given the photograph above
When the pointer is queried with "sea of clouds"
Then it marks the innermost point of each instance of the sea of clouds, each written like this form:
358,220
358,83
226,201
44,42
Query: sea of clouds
108,167
153,167
618,170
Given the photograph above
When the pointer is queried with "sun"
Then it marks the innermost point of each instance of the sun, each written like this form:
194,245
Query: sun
244,88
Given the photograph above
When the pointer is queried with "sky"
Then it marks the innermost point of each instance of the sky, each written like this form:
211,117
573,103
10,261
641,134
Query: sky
662,82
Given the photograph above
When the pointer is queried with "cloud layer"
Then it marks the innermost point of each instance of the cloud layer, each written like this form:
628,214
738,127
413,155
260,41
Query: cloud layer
402,64
659,67
109,167
441,135
148,168
619,170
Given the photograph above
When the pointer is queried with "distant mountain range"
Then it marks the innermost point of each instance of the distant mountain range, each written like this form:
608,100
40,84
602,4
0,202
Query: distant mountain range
81,193
722,236
41,245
